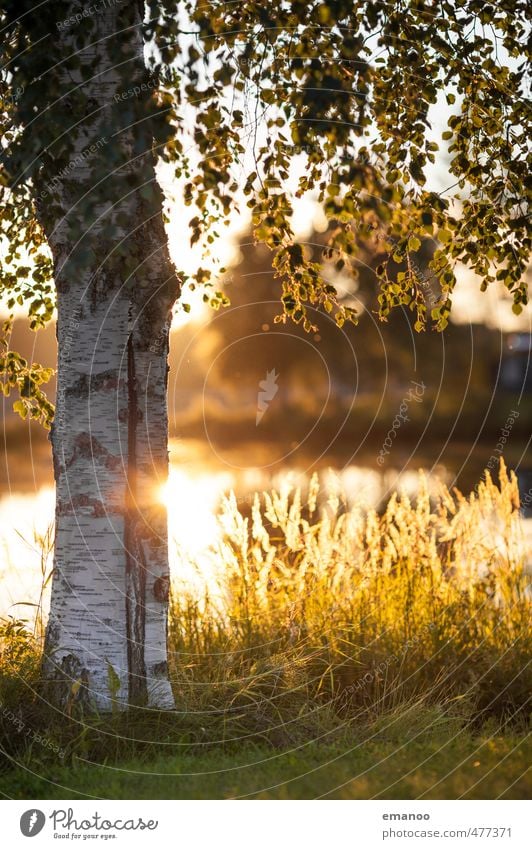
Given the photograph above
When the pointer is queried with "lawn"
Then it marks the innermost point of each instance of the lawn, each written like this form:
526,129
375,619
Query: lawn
432,764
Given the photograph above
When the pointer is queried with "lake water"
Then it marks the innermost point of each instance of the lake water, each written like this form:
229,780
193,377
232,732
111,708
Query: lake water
197,482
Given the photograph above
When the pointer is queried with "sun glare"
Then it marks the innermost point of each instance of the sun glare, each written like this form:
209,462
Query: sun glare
191,504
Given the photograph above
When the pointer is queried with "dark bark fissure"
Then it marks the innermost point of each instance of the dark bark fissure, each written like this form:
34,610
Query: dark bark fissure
59,678
135,564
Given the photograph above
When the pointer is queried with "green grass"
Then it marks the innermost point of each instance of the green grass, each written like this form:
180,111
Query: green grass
414,753
435,768
339,652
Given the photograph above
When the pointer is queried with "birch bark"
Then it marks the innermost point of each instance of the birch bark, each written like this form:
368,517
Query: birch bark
106,637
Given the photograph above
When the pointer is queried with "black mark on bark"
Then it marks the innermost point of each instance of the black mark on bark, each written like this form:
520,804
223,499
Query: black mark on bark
88,447
161,588
65,508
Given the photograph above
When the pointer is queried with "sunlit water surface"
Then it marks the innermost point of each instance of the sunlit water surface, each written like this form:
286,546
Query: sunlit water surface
193,495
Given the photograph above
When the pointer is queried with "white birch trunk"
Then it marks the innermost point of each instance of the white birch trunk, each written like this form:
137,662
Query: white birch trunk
106,638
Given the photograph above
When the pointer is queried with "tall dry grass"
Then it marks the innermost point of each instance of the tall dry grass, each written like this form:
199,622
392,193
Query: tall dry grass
345,613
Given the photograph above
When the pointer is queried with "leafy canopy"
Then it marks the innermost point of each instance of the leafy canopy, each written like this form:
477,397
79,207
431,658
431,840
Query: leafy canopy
238,92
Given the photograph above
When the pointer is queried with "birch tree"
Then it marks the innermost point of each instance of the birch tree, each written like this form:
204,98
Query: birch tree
232,97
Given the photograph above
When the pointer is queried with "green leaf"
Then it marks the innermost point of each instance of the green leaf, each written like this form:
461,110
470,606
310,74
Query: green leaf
113,681
20,407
